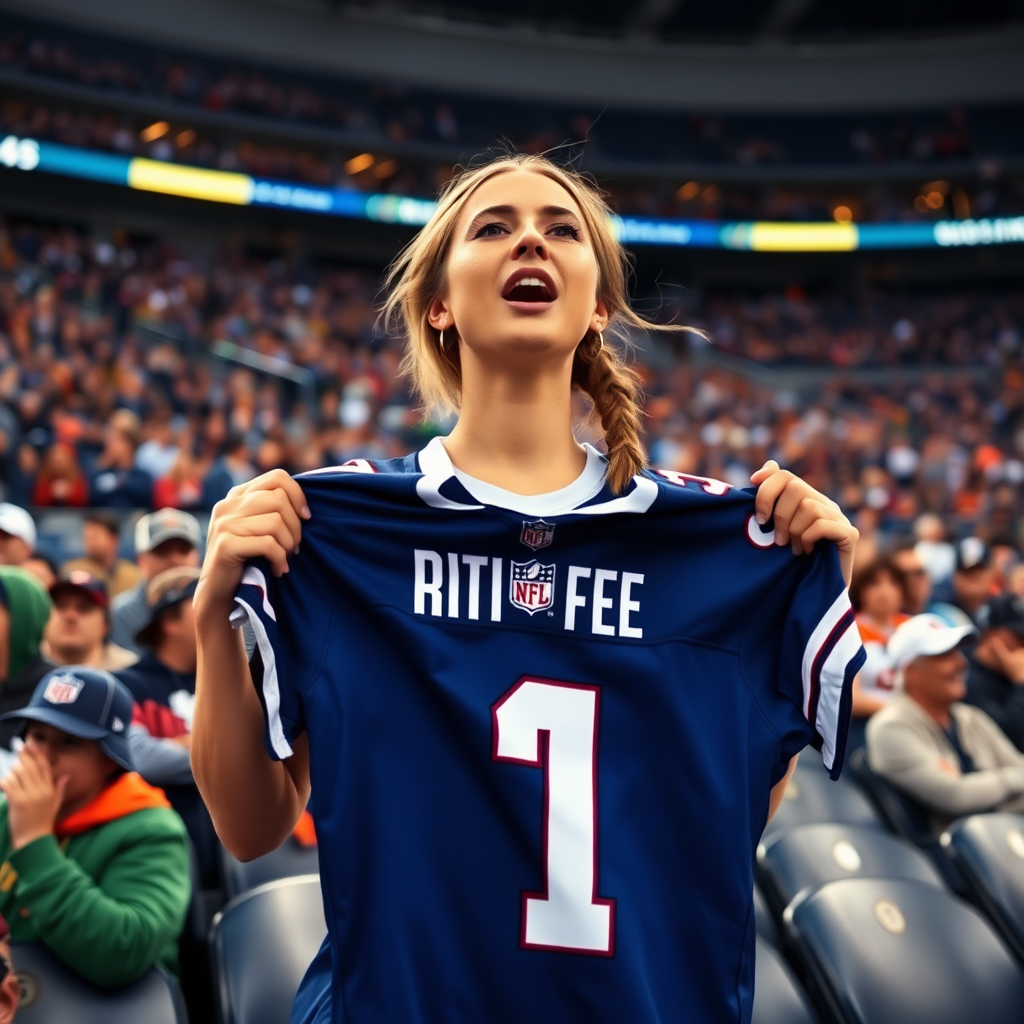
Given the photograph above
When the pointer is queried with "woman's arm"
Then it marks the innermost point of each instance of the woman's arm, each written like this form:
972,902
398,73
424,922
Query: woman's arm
779,790
254,801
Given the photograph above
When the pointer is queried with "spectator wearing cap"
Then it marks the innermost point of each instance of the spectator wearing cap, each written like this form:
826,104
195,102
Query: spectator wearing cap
10,990
24,611
79,625
101,536
17,534
117,482
94,860
974,582
163,540
163,684
43,568
948,756
995,674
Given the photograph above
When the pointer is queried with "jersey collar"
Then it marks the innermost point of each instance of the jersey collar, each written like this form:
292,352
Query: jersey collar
437,470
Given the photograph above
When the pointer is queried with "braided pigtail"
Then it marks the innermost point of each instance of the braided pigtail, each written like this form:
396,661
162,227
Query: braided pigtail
615,389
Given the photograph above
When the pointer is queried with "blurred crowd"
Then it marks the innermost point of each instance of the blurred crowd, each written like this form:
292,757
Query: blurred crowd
136,376
424,133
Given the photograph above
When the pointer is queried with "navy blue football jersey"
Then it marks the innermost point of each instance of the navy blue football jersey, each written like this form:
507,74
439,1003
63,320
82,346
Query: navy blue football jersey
543,732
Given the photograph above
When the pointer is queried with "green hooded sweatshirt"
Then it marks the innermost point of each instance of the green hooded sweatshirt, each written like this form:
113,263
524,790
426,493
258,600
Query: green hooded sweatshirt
28,609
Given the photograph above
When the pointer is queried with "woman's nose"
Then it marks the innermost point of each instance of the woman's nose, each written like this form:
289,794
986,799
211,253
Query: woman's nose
530,241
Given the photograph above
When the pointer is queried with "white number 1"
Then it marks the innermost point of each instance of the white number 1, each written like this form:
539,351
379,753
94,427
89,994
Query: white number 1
552,725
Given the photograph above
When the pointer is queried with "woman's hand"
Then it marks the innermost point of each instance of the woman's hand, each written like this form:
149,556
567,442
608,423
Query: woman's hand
261,518
803,516
34,797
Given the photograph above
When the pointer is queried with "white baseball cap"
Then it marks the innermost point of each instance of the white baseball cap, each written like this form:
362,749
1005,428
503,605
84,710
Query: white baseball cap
18,523
924,635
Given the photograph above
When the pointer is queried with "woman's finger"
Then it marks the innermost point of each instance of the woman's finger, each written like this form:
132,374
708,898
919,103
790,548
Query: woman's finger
265,503
271,524
785,508
237,550
809,511
768,494
759,476
279,478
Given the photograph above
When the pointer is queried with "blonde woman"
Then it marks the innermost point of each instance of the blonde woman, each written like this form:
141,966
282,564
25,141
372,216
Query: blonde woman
546,699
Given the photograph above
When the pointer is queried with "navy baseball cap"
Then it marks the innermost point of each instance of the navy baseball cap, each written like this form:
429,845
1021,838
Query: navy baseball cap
85,702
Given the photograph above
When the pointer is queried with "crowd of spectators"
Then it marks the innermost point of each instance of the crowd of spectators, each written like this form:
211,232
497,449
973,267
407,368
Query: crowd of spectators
111,397
424,133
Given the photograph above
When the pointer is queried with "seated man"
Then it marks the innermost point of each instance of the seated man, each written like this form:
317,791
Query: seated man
948,756
995,677
79,625
93,861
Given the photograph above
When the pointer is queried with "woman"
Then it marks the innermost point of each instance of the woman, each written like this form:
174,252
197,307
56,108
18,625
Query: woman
878,594
60,481
546,700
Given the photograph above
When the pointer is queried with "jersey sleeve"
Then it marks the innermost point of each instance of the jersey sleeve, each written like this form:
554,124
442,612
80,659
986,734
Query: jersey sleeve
821,652
276,660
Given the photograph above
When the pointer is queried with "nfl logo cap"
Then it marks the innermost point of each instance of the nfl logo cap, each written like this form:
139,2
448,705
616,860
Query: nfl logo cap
924,635
18,523
167,524
85,702
82,582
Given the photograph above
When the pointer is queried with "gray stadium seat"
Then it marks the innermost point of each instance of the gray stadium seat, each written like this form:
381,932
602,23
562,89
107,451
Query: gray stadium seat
778,998
894,951
287,861
767,929
51,993
989,850
261,944
813,797
810,855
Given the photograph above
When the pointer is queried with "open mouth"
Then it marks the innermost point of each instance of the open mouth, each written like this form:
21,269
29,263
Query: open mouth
529,286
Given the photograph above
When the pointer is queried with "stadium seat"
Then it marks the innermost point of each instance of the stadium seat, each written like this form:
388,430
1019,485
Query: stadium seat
261,944
778,998
767,929
287,861
899,951
906,817
811,855
813,797
51,993
989,850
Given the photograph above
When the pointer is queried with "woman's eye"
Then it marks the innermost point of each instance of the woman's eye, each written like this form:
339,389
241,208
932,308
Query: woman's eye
490,229
566,231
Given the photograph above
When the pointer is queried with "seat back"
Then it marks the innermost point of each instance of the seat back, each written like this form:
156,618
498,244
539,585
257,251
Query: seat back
289,860
261,944
989,850
778,998
51,993
810,855
767,929
897,951
812,797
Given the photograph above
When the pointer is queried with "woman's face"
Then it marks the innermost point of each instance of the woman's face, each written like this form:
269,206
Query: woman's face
522,276
882,598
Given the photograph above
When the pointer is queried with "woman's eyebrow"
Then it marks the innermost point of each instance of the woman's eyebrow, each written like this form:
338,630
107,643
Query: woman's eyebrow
506,210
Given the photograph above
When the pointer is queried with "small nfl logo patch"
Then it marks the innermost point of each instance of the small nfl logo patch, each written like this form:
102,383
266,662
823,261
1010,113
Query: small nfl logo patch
537,534
532,586
63,689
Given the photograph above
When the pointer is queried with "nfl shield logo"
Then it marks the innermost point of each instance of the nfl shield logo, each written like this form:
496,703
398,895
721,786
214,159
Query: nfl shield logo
537,534
532,586
63,689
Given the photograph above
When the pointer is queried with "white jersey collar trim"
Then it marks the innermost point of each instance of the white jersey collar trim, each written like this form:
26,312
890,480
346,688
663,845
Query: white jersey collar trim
437,469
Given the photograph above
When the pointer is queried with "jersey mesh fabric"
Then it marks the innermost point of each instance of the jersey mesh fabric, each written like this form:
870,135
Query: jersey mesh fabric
541,750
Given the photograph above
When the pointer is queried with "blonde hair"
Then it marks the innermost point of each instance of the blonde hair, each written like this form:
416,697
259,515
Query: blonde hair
417,277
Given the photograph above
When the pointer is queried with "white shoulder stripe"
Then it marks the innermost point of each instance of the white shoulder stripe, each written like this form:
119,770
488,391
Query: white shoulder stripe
255,578
269,684
833,674
823,630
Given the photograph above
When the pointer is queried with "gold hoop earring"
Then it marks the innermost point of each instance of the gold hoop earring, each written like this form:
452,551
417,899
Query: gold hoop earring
441,342
600,337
